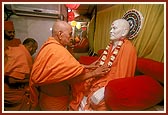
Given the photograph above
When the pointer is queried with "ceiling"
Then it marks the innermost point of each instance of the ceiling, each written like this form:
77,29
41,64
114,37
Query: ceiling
85,10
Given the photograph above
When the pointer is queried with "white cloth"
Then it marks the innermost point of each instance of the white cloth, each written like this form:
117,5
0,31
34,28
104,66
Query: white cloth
83,103
98,96
95,98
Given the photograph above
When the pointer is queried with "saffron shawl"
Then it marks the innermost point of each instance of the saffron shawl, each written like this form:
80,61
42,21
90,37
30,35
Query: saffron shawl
52,64
123,66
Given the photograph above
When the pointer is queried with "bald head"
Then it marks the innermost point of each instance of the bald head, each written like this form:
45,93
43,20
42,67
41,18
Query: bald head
123,23
119,29
62,32
60,26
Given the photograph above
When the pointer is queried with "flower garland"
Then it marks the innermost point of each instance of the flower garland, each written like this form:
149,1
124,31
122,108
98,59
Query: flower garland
113,56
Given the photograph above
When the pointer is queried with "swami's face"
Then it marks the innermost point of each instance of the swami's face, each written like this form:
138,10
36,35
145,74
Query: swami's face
66,37
9,34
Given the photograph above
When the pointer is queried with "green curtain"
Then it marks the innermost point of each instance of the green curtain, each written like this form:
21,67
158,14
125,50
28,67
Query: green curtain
150,40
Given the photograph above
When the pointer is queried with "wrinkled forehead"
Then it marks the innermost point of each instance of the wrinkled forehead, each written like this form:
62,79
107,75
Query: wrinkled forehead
117,23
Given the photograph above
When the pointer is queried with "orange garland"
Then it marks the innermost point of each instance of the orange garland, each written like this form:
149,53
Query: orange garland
113,56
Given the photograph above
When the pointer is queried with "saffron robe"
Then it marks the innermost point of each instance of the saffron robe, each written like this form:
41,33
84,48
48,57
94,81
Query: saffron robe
123,66
18,64
13,43
52,68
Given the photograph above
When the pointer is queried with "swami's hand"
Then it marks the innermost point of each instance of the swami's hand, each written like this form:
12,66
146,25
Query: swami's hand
101,71
93,65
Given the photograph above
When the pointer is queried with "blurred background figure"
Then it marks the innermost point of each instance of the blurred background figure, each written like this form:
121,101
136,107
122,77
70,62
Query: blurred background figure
17,67
9,35
83,45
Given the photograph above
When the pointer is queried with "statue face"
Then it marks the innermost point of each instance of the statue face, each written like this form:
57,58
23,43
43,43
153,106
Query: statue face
119,29
116,31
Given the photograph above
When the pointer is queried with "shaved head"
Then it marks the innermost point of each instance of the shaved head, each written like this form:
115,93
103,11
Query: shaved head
60,26
62,32
124,23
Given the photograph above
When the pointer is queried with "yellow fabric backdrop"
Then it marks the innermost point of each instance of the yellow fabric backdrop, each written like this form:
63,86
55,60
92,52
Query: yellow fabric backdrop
150,40
91,33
